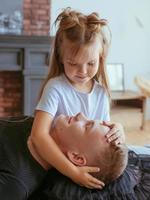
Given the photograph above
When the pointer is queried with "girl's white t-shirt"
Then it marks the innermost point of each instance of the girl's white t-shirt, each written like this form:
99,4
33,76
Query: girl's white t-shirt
60,97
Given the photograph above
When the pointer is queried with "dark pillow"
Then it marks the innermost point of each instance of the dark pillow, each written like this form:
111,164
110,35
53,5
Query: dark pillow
134,184
140,163
63,188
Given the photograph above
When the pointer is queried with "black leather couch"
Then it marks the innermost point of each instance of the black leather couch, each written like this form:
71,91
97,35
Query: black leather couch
57,187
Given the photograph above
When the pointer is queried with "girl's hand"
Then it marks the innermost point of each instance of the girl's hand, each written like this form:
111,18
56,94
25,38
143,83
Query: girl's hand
83,178
116,133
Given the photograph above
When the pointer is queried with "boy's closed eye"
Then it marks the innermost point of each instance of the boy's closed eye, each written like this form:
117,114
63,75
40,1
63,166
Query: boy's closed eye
89,125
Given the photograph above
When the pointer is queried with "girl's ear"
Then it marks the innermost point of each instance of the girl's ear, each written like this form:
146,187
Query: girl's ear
76,158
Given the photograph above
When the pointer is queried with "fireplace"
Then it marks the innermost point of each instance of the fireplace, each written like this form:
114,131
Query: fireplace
24,52
23,67
11,93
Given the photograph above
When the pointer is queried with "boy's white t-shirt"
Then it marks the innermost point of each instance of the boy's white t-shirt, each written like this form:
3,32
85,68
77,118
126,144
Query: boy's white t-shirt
60,97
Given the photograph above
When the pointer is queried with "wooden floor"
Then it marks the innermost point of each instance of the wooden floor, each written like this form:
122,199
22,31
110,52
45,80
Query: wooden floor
131,120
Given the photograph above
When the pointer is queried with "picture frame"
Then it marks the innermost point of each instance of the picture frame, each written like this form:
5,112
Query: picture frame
115,72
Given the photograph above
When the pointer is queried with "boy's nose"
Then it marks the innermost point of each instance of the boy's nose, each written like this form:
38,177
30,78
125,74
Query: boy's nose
81,116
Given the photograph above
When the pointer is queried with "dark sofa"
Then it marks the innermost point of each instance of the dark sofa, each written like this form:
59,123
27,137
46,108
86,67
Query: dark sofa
133,184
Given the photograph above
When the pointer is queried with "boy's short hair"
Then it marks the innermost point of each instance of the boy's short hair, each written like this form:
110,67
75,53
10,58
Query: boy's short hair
112,161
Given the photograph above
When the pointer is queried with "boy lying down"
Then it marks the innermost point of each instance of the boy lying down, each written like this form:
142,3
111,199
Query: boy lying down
83,142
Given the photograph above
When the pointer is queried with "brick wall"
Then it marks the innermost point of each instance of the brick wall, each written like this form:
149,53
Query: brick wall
36,22
36,17
11,93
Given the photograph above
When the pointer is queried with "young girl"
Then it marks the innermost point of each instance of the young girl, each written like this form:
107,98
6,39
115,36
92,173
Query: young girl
76,82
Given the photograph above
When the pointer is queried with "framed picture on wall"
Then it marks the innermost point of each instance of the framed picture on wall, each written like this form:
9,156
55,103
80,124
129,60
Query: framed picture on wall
115,73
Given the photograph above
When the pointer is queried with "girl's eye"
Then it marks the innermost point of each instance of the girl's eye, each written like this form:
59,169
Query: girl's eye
91,64
73,64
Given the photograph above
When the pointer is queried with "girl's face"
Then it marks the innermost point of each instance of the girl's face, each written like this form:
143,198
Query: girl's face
83,66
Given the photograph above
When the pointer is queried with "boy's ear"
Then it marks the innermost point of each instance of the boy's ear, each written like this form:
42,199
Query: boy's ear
76,158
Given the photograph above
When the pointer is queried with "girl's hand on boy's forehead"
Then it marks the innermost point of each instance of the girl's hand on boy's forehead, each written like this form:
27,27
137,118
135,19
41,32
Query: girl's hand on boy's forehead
116,133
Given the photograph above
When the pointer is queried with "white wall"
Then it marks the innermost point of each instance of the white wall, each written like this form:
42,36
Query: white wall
129,22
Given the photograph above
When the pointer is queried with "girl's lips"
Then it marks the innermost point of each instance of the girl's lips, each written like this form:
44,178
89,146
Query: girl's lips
81,77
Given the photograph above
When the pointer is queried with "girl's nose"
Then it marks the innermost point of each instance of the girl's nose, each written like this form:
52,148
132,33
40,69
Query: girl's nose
83,69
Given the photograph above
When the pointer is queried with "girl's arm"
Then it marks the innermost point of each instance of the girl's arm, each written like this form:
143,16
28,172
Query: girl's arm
50,152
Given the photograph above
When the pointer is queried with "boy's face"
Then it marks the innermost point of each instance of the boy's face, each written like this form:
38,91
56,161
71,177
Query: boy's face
81,67
80,134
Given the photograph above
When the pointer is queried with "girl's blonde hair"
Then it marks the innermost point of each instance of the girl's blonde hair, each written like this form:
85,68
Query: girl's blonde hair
79,29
